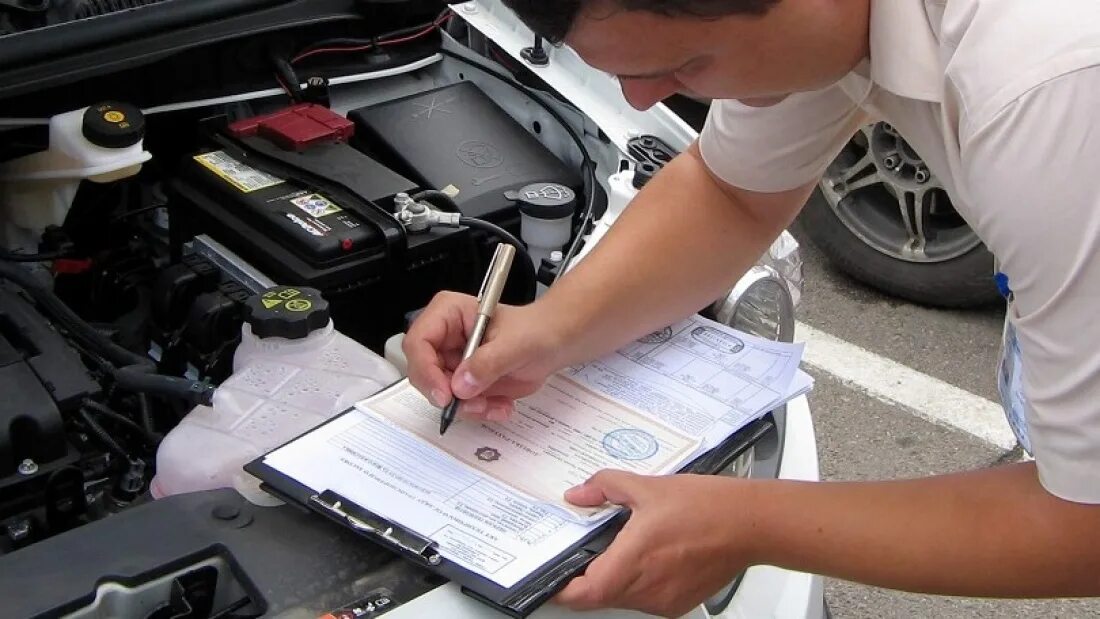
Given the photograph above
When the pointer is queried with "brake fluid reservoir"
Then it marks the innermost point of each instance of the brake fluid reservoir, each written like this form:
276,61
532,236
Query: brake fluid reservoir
291,372
101,143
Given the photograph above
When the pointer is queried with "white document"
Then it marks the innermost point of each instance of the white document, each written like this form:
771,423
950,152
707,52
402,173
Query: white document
701,377
490,494
558,438
477,523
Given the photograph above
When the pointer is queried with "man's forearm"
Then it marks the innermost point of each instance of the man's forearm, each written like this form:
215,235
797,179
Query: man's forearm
682,242
995,532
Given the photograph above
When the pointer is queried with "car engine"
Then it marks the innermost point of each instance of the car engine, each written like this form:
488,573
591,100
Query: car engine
134,235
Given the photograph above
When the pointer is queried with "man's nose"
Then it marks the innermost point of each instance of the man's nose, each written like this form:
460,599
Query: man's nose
644,93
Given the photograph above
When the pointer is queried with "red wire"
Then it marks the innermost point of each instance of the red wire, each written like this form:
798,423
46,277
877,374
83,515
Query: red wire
411,37
326,50
362,48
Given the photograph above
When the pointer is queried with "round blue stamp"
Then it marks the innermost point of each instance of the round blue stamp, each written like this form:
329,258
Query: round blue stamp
630,444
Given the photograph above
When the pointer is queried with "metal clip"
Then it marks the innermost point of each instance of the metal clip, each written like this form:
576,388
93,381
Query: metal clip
388,532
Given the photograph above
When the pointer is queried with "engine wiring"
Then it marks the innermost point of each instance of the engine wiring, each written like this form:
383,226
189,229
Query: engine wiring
444,201
396,37
406,35
287,78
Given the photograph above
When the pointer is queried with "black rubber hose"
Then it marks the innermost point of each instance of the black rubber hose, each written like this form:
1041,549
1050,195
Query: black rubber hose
439,198
146,412
586,220
447,203
76,325
526,266
104,437
100,409
140,380
289,76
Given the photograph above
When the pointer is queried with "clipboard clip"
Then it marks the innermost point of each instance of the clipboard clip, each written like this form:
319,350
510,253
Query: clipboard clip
363,522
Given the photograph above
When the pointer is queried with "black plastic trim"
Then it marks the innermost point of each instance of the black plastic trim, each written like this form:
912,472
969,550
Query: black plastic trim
73,36
129,46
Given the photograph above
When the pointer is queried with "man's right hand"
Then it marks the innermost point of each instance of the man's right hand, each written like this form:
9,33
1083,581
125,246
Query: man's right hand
520,350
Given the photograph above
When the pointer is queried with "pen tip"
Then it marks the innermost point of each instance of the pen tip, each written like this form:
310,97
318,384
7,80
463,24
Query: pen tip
443,425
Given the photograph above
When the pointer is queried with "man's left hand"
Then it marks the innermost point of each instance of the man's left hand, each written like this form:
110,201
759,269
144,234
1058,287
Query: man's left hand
684,542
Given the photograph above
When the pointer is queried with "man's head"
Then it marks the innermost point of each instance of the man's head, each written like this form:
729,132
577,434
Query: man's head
755,50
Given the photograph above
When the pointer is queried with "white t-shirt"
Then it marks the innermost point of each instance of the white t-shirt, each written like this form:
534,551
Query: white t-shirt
1001,98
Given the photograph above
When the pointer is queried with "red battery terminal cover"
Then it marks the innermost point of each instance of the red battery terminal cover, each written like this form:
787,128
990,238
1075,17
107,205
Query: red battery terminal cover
297,127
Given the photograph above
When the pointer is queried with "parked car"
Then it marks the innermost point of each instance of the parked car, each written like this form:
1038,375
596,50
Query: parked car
139,145
881,216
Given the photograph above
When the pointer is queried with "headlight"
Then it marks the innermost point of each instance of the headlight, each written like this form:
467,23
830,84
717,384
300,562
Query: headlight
760,304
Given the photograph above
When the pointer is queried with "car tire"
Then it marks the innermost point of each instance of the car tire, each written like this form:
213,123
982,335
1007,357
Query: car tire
965,281
880,216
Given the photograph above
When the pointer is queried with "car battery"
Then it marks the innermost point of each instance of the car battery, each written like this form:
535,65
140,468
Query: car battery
319,214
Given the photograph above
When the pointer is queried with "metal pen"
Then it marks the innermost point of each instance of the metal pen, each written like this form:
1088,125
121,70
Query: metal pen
488,297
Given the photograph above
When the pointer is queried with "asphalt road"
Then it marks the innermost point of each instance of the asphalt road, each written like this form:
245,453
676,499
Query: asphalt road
862,438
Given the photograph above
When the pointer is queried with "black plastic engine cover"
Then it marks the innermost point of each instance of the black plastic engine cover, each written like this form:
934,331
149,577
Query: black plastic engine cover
40,376
288,561
456,136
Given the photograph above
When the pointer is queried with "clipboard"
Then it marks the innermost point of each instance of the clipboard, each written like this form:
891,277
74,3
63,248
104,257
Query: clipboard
526,596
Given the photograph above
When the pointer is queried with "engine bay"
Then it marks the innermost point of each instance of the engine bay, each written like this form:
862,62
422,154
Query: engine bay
139,268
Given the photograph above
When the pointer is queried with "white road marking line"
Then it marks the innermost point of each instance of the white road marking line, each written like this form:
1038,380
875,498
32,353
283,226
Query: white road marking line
894,383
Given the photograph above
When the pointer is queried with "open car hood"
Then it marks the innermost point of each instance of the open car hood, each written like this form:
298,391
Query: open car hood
44,44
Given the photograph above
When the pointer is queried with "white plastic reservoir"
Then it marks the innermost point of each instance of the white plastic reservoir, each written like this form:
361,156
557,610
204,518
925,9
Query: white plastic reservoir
291,372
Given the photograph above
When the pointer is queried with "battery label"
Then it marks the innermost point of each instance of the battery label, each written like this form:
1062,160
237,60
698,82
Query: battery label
316,205
241,176
313,226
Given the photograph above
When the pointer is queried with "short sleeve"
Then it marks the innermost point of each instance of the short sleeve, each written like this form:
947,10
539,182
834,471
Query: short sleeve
780,147
1031,172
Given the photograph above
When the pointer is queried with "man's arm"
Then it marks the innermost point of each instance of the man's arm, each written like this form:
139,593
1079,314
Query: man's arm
995,532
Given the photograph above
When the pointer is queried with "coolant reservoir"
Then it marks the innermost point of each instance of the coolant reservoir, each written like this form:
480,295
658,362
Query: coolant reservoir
291,372
101,143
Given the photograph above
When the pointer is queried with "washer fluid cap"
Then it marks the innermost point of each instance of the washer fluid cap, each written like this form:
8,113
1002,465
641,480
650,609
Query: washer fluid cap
113,125
545,200
290,312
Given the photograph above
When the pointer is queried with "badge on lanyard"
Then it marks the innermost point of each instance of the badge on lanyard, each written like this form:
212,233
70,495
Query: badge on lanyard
1009,374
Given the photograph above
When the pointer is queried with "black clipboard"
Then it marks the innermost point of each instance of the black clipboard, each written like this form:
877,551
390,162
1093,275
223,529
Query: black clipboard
524,597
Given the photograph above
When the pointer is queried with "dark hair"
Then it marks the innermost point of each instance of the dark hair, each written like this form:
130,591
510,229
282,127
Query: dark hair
554,18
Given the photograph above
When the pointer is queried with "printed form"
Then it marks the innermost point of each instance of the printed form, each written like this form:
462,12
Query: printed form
477,523
557,439
700,377
490,494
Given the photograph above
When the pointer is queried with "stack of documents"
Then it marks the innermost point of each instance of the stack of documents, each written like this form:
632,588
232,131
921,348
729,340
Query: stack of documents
490,494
